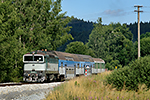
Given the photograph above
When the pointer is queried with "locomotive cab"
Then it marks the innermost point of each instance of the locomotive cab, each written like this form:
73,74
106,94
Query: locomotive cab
34,67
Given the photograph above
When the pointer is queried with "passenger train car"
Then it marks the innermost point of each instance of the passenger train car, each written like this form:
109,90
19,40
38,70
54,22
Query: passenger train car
42,66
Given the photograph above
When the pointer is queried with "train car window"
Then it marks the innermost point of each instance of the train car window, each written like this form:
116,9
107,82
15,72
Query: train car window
61,64
78,66
100,65
103,65
97,65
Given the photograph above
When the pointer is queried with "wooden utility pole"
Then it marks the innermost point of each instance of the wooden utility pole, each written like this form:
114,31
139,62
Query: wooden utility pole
138,28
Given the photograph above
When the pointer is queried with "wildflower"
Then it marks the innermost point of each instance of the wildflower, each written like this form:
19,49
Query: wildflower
117,97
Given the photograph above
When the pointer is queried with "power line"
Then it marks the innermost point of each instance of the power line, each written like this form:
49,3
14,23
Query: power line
138,11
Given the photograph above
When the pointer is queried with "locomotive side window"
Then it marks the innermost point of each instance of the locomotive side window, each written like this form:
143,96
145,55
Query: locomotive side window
52,60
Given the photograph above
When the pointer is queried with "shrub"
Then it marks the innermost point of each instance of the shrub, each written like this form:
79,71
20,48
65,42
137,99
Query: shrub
137,72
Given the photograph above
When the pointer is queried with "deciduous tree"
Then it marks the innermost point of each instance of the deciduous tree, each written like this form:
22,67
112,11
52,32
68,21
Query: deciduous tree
27,25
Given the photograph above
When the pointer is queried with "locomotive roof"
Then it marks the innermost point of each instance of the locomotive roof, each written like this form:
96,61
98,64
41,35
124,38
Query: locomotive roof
43,53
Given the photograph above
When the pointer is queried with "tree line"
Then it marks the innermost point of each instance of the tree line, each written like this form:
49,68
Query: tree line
82,29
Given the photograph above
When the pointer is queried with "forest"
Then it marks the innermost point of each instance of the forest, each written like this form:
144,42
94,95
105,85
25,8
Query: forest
30,25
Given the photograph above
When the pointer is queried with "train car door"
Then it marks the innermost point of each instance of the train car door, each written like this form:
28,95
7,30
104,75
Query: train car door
62,67
96,69
70,70
75,66
78,69
88,69
82,68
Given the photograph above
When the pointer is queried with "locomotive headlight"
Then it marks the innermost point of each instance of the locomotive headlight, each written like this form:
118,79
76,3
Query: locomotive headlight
40,74
26,74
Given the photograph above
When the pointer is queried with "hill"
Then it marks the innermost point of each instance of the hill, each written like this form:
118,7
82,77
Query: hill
144,27
82,29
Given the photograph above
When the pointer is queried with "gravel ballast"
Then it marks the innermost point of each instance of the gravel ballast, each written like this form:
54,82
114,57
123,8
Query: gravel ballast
27,92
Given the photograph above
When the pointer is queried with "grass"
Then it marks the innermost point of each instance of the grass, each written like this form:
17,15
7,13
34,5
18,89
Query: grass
93,88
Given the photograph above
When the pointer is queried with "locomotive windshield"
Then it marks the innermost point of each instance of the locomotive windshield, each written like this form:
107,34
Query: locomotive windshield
28,58
35,58
38,58
31,58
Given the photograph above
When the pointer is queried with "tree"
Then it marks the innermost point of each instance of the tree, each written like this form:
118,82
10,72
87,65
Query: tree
27,25
145,46
78,47
41,23
147,34
111,43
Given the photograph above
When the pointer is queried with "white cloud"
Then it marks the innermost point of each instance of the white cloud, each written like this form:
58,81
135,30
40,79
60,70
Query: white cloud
118,12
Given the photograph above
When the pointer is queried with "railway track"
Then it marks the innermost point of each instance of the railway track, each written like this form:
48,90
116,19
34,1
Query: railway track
23,83
15,84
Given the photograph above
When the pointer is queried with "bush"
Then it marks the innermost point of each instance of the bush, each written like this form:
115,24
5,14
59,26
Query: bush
129,77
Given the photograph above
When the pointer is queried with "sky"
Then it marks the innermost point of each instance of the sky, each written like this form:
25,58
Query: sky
115,11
